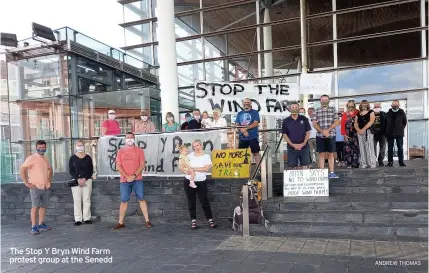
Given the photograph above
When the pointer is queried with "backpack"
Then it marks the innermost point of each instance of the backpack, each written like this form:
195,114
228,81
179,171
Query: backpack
256,214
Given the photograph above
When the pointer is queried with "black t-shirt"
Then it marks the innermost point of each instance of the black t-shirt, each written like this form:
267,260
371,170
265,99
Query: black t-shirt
364,119
81,167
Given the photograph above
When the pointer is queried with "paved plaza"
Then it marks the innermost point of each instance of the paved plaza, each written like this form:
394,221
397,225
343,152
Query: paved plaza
176,248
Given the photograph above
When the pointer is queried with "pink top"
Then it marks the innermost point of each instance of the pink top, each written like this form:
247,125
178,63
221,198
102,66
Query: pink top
112,127
130,158
38,171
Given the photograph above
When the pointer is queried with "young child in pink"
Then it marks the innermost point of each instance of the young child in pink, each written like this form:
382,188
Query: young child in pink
185,165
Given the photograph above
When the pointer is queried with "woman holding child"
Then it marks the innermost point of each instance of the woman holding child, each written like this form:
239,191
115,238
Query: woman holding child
195,167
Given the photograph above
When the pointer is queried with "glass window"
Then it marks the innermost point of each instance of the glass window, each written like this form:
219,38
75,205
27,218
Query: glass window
380,49
418,139
364,22
189,73
138,34
42,119
143,53
189,50
214,71
319,29
136,11
320,57
37,77
317,6
377,79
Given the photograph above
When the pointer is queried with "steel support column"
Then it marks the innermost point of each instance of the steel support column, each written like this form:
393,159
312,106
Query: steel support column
167,58
304,61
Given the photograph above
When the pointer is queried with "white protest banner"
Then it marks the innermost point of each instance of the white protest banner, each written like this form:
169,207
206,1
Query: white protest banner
315,84
311,182
160,151
267,99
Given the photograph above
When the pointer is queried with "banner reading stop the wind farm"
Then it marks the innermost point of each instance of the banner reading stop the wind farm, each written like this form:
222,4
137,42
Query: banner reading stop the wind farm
268,99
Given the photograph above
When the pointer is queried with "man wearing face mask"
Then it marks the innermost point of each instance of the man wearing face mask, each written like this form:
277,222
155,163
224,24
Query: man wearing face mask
325,119
185,124
248,136
36,172
110,127
144,125
296,132
195,123
380,132
130,162
395,127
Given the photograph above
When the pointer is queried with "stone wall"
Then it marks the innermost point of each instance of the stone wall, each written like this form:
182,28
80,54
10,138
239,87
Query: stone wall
166,199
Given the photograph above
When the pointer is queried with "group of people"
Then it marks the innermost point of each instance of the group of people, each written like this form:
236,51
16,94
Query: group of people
36,172
353,135
361,128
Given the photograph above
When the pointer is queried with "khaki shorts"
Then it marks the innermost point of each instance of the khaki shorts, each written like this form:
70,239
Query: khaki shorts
39,198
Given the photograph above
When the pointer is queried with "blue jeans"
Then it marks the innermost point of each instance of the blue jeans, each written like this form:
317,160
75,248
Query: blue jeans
127,187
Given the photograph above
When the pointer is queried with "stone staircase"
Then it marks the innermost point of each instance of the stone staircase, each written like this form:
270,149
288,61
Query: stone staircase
382,203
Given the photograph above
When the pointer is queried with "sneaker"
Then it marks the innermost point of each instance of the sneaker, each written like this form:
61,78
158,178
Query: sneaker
42,226
34,230
380,163
88,222
402,165
192,184
390,164
78,223
332,175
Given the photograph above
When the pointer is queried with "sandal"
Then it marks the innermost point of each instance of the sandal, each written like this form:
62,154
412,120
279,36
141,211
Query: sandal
194,224
211,224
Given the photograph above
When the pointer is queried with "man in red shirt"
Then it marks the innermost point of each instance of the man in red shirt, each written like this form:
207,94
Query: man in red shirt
130,162
110,127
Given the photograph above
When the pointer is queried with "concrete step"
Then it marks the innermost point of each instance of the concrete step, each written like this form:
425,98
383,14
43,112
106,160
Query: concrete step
344,230
403,217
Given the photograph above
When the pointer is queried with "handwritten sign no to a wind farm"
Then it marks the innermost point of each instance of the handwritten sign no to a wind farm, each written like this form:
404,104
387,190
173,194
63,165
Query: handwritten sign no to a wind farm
311,182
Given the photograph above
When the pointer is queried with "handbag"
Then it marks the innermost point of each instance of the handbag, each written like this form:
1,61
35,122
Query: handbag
72,183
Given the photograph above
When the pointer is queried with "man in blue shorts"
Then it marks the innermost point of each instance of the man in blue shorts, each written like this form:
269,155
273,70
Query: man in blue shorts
130,162
248,136
296,132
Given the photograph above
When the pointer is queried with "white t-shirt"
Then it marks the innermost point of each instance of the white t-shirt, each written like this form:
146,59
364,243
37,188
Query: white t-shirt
221,122
198,162
313,131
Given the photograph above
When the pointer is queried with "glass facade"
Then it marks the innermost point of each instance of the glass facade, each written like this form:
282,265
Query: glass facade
376,50
64,97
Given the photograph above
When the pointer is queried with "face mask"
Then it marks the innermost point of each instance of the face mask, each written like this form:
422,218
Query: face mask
325,104
41,151
351,108
170,119
112,116
301,114
130,142
377,109
144,118
364,108
294,112
79,149
197,117
395,108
